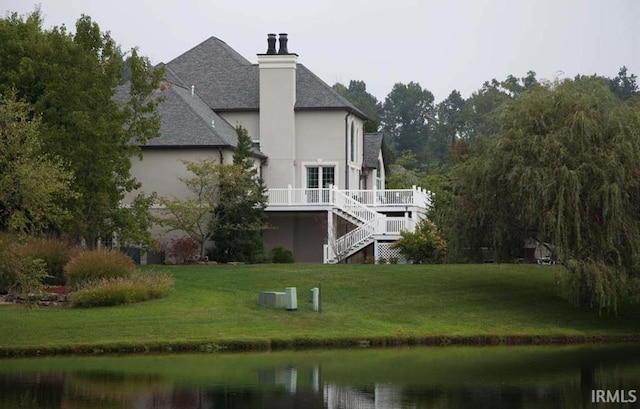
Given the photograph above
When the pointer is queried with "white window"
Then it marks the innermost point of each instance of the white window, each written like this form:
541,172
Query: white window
352,143
319,179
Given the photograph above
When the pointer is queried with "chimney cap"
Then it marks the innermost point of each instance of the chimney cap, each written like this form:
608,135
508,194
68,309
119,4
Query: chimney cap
271,43
283,40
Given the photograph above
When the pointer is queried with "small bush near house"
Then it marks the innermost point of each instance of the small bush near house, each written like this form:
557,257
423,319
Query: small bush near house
369,260
55,254
182,249
382,260
280,255
95,265
138,287
423,245
393,260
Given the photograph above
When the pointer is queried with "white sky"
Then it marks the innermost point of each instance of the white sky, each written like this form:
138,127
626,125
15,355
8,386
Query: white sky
442,44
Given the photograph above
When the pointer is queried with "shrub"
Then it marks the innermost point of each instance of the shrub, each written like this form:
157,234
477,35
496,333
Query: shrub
95,265
393,260
382,260
19,272
29,279
281,255
369,260
138,287
8,274
182,249
425,244
55,254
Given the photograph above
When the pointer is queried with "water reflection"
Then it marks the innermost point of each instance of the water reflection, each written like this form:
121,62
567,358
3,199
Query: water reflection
525,377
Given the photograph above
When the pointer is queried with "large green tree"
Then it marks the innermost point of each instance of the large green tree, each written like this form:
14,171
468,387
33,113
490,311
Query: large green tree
408,111
447,129
624,85
239,213
563,167
357,94
72,81
33,182
478,114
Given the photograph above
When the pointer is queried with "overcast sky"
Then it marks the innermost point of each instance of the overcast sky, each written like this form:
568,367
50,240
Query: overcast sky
442,44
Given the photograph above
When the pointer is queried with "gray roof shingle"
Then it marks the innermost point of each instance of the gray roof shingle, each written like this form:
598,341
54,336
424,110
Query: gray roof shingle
226,81
371,151
188,121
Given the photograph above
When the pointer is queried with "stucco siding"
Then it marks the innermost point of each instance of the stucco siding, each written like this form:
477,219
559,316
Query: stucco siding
277,117
303,233
160,170
249,120
320,138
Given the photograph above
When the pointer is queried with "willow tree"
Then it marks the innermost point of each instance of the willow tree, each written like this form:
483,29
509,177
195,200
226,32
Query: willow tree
564,167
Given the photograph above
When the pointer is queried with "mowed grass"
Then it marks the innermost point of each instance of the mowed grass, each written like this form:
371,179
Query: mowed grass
214,304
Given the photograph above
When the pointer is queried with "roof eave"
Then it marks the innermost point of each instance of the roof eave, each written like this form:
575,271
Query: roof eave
350,110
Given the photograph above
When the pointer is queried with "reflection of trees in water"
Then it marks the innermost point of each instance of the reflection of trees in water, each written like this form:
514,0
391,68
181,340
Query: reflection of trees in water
478,397
22,391
565,381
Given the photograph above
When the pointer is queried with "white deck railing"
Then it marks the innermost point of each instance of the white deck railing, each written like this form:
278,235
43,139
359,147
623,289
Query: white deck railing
387,198
360,205
297,197
396,225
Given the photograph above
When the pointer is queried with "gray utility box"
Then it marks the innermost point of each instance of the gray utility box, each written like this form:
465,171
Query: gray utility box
291,298
272,299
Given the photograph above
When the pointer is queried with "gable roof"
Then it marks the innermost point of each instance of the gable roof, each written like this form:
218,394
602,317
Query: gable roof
187,121
372,149
226,81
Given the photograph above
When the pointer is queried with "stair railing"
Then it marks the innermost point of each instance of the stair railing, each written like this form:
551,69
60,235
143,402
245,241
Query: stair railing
353,207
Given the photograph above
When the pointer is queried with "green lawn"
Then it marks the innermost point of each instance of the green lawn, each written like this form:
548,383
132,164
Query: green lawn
218,304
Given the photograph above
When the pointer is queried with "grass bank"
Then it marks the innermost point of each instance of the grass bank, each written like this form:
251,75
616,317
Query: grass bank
215,307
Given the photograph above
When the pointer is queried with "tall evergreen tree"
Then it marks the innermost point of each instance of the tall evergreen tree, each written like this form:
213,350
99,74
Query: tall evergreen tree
239,215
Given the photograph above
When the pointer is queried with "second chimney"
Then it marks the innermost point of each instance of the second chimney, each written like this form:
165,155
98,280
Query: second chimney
283,44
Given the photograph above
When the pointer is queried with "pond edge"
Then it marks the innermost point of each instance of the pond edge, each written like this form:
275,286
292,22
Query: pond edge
262,345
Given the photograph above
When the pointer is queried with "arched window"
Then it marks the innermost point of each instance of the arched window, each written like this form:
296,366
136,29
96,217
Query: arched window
352,143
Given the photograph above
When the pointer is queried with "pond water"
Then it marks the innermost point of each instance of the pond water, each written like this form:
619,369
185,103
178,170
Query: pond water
437,377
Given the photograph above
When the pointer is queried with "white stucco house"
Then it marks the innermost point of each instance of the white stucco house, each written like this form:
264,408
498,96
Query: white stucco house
325,176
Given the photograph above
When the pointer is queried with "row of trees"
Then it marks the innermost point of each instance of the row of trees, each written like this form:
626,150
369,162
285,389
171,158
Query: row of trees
66,140
74,109
413,122
521,159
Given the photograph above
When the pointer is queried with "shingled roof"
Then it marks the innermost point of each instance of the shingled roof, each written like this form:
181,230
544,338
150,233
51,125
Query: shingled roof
372,148
226,81
187,121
